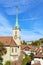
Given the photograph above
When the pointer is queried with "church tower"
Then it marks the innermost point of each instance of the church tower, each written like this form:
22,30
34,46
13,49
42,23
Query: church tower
16,31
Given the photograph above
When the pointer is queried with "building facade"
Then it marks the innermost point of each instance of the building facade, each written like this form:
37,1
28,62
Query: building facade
12,44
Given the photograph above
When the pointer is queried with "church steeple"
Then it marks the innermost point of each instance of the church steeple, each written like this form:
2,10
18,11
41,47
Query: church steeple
17,25
17,30
17,17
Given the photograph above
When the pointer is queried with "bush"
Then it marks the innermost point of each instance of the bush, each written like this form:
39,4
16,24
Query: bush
32,56
1,63
28,63
26,60
7,63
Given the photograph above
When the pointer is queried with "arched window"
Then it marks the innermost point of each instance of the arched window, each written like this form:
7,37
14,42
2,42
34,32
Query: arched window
16,49
12,50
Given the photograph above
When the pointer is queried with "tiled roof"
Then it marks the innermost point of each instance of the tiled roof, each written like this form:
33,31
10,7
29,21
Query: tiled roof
39,51
24,47
7,41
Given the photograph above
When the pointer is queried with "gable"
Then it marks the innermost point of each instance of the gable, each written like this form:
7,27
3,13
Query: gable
7,41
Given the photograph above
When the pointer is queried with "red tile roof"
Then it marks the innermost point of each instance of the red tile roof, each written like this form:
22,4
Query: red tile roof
25,47
39,51
7,41
32,48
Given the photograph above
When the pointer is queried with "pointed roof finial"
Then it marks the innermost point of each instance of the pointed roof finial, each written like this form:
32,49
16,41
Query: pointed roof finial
17,16
16,25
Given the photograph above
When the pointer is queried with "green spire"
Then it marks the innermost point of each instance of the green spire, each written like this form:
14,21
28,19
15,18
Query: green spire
17,17
16,25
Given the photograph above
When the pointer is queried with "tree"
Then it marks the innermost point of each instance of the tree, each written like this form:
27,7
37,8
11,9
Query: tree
2,50
1,64
36,43
41,40
24,42
7,63
32,56
28,58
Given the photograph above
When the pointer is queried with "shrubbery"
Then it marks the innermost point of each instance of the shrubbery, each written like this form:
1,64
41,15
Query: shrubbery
28,59
7,63
1,63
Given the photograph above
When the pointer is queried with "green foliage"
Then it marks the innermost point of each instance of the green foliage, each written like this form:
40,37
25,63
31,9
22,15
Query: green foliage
26,59
41,40
32,56
36,43
7,63
2,52
24,43
2,49
1,59
1,63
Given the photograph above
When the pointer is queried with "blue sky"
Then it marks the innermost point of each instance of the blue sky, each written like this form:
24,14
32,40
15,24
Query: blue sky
30,14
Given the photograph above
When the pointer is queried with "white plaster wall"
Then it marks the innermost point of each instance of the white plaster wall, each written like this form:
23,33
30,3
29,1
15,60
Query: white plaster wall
37,60
18,41
6,57
9,55
15,53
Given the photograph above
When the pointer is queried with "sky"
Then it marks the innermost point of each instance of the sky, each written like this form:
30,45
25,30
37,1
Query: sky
30,16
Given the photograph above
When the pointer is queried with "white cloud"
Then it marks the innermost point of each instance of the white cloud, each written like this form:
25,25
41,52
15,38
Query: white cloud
36,32
23,5
5,28
30,19
30,35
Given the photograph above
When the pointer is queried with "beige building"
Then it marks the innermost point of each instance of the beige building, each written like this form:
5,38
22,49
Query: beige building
12,44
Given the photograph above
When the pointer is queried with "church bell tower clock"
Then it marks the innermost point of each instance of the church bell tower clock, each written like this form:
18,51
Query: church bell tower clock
16,31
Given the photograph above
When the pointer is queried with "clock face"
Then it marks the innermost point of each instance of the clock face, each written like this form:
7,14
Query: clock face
15,32
15,36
